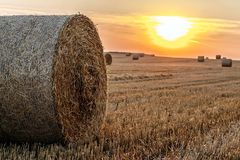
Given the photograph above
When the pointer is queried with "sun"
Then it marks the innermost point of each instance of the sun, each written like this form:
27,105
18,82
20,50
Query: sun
172,28
171,31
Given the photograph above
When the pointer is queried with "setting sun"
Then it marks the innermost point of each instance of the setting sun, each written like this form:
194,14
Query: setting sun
172,28
171,31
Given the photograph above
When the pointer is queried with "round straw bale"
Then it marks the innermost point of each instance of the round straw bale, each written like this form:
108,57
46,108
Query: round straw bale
218,56
108,58
201,59
128,54
135,57
226,63
141,54
53,79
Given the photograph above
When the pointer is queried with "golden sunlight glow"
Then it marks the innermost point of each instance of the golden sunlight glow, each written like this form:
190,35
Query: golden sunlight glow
172,28
171,31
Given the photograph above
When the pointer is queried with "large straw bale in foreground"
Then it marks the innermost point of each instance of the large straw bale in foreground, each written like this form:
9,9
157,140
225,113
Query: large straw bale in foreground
52,79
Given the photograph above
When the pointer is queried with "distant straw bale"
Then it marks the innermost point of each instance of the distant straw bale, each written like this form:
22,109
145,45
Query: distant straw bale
108,58
128,54
135,57
201,59
218,56
227,63
141,54
53,79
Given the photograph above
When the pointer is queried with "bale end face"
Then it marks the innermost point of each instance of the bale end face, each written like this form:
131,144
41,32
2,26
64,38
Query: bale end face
80,80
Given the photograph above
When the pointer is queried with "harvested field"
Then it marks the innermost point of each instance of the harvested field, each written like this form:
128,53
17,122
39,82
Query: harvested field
160,108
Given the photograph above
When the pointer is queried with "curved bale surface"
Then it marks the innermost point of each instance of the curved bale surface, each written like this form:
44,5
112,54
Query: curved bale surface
227,62
108,59
52,79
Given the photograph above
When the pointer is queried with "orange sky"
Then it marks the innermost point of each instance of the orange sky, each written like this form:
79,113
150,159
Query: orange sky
129,26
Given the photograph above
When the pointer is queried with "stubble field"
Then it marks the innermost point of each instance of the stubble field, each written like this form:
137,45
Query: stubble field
159,108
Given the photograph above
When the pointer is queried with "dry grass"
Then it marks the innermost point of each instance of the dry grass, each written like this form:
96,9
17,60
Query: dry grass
160,108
